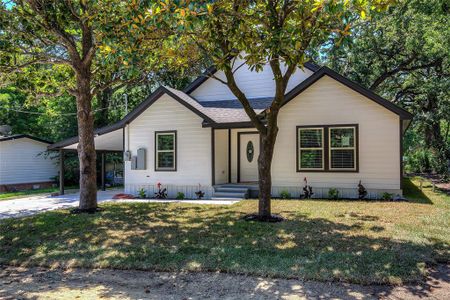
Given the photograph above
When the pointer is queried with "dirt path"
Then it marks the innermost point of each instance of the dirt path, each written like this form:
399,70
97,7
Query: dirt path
40,283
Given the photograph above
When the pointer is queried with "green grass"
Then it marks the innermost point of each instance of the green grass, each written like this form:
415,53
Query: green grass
353,241
20,194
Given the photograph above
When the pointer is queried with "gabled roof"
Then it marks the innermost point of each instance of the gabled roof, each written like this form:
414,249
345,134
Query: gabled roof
212,70
404,115
230,113
21,136
179,96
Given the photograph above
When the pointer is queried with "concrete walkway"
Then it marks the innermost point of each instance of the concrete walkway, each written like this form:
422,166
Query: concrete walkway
36,204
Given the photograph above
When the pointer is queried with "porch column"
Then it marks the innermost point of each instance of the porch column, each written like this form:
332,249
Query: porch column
229,155
213,156
61,171
103,171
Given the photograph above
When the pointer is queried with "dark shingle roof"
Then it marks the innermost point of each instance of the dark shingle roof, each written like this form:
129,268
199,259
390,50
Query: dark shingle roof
21,136
257,103
223,111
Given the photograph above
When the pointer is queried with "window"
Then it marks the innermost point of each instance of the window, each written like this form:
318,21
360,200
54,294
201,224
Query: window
310,146
342,148
328,148
165,150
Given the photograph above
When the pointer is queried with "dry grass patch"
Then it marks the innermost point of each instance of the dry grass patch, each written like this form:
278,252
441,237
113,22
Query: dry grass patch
355,241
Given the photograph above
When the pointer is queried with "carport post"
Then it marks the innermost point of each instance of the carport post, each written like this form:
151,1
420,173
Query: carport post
103,171
61,171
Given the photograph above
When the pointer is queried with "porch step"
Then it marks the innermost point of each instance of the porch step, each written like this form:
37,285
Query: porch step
233,195
225,198
234,191
230,189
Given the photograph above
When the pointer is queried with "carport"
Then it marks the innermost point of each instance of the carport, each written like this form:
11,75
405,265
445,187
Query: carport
109,139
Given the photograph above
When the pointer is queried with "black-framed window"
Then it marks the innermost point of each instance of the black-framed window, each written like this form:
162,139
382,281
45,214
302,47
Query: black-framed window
311,148
327,148
165,151
342,148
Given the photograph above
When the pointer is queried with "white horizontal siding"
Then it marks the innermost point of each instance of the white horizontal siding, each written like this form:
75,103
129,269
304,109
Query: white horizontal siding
253,84
21,162
193,146
329,102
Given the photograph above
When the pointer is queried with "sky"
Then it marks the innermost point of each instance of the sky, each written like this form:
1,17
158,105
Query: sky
8,3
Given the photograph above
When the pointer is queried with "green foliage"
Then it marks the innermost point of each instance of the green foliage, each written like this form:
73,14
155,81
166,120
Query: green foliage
257,30
404,55
41,64
419,161
180,196
142,193
386,196
333,194
285,195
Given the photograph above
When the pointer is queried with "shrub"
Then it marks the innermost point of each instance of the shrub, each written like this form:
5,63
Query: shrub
142,194
386,196
285,195
180,196
426,160
333,194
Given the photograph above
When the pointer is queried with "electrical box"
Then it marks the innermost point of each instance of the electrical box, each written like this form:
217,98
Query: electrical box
141,159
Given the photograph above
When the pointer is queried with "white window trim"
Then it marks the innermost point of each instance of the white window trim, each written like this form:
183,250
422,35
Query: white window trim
309,149
157,167
342,148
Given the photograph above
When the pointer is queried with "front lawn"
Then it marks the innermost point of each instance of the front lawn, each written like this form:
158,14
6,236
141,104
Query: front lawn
355,241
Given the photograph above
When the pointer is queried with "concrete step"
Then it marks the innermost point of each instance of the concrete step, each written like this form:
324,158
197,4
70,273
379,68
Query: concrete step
230,195
224,199
236,185
228,189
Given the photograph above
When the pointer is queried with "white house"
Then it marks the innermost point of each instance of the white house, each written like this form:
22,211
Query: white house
332,131
22,165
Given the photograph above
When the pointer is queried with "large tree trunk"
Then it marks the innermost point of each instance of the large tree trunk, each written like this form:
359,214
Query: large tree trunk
86,146
267,145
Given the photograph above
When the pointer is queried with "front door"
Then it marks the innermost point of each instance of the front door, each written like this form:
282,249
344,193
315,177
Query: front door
248,156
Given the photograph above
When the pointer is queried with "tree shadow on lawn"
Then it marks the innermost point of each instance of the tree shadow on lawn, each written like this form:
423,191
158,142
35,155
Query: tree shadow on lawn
413,194
163,237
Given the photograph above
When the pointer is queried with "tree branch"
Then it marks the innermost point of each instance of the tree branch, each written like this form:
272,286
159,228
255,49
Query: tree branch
244,101
402,67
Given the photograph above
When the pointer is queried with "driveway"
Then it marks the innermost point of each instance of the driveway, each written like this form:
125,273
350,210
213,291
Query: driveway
36,204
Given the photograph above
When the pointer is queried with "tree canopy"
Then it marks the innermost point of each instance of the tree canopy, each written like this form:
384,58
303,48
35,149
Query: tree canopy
404,55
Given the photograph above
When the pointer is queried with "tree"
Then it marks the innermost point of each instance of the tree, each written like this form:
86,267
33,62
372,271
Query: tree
404,55
84,41
278,33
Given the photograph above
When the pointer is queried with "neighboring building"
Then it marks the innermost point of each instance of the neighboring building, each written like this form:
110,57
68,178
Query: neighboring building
23,165
331,131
